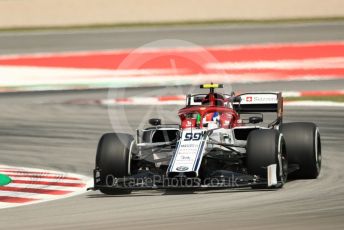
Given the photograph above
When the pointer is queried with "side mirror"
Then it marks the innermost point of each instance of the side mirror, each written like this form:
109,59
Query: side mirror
154,121
255,120
236,99
198,98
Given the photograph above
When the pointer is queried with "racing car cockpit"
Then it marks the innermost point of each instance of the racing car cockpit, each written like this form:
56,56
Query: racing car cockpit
213,99
212,110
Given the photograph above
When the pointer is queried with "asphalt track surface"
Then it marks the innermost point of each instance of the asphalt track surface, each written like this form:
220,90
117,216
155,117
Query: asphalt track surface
41,130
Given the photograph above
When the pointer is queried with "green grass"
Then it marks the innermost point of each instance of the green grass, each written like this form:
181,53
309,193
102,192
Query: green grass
4,179
316,98
174,24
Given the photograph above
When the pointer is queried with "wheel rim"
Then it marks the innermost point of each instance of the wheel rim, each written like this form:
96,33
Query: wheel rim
282,160
318,156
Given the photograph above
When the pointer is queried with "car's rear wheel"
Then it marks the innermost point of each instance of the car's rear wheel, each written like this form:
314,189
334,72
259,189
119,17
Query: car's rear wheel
114,160
267,147
303,148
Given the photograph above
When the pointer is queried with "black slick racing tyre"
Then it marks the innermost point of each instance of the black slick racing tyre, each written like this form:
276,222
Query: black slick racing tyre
114,159
303,148
266,147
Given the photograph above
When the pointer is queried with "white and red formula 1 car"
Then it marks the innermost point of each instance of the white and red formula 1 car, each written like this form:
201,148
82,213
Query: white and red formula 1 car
214,146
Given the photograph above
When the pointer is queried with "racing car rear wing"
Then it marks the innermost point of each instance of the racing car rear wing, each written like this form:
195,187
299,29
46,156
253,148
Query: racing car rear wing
260,103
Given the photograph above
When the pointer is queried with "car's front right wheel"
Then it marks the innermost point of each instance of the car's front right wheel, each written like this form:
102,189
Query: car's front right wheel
267,147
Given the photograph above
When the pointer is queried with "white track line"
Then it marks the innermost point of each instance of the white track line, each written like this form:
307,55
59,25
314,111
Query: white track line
315,103
29,195
300,64
32,179
156,101
39,186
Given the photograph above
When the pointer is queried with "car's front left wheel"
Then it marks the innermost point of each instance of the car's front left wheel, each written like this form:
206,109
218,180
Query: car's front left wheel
113,160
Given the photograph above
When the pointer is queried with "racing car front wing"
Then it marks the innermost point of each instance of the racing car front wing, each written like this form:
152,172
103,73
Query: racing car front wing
221,179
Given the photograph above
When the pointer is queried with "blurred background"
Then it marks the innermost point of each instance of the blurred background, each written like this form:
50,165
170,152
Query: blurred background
58,44
47,13
71,70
